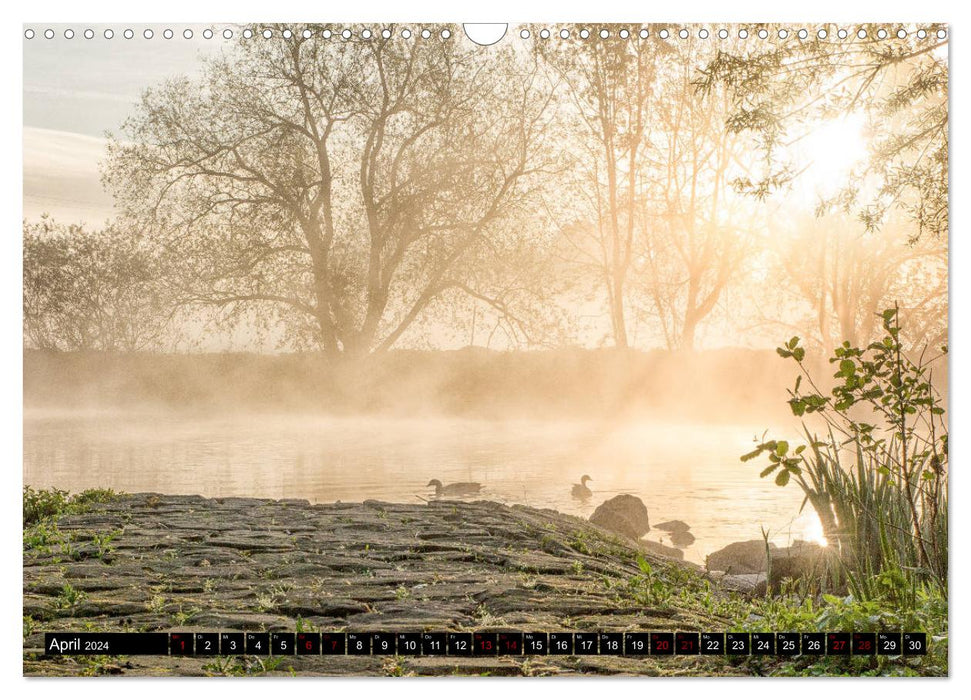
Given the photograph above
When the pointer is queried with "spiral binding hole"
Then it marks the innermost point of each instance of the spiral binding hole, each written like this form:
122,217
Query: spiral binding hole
525,33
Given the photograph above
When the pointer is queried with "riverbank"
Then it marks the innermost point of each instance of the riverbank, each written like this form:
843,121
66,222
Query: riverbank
151,562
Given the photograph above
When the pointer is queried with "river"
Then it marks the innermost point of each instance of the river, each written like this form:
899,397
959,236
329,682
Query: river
683,471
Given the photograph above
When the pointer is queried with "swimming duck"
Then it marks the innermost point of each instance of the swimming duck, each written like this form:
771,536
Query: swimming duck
581,490
461,488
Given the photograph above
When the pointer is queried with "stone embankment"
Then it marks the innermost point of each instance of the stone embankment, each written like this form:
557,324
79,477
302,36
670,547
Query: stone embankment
150,562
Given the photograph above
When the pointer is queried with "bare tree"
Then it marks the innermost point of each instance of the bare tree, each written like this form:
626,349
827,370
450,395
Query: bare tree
695,239
609,88
847,277
344,185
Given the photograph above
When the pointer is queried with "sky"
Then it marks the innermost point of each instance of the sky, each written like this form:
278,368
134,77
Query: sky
75,91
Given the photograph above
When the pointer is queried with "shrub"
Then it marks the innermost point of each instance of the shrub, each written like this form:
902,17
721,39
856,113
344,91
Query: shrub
878,479
43,504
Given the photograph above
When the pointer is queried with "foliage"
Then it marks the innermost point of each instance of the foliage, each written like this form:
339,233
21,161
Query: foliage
794,610
303,625
661,585
30,626
244,665
42,536
900,83
927,612
885,512
102,540
92,290
68,597
44,504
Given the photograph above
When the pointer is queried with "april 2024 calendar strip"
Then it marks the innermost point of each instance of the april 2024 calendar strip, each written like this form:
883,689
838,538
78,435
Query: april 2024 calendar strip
461,644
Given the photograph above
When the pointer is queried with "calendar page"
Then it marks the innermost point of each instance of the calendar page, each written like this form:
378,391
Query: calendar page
416,349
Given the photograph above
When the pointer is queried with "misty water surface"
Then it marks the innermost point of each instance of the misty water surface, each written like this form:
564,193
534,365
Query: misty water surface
688,472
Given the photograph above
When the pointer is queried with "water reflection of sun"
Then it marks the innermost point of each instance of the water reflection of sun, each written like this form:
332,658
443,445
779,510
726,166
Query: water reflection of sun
813,531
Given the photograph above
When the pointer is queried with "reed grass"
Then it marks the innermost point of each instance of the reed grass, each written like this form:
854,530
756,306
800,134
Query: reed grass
878,478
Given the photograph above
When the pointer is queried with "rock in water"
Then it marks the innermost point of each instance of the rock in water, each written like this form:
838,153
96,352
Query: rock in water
662,550
740,558
682,538
673,526
625,515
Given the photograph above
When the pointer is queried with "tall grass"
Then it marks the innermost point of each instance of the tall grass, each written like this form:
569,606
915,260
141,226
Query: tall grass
867,516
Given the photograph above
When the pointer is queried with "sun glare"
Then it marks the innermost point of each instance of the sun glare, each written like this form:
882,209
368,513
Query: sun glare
814,532
827,155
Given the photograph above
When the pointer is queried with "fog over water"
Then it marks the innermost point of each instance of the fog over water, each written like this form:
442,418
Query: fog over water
683,471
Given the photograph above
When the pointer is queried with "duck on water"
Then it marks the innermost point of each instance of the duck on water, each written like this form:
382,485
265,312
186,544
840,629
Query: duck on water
581,490
461,488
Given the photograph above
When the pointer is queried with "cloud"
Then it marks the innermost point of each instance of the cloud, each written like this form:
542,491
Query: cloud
61,177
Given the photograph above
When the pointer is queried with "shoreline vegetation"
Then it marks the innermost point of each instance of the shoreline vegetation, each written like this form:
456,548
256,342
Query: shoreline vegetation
100,561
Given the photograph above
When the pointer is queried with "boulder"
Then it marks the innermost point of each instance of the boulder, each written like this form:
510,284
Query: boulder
801,560
624,514
682,538
673,526
743,583
746,557
663,550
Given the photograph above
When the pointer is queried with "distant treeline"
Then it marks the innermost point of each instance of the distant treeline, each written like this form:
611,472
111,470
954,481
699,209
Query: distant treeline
711,385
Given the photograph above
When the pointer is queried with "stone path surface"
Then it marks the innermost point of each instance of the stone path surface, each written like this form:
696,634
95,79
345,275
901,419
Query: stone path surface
152,562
